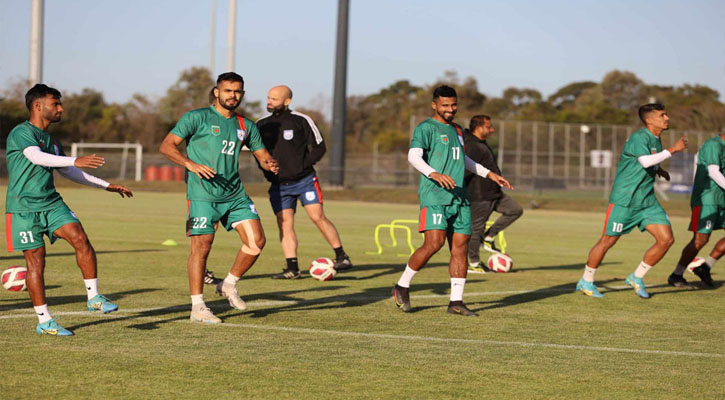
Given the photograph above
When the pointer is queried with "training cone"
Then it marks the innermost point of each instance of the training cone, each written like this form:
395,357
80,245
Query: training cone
169,242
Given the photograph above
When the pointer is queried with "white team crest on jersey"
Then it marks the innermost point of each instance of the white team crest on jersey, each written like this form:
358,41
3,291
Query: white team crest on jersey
708,225
287,134
460,140
55,150
253,209
310,195
241,134
73,214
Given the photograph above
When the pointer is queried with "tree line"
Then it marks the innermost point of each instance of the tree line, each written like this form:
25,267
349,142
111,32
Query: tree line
383,117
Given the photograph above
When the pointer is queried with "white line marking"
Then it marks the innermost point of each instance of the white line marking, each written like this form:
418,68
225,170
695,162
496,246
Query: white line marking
377,335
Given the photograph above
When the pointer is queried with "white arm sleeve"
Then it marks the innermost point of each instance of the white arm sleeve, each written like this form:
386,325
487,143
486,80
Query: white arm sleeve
476,168
415,158
653,159
37,157
77,175
714,171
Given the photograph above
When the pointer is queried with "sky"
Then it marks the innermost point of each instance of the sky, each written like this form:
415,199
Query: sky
141,46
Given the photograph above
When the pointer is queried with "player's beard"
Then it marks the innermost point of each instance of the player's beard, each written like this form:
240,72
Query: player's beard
230,107
53,116
275,110
447,116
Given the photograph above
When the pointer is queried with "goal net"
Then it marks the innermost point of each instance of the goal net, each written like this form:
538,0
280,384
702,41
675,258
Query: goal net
117,164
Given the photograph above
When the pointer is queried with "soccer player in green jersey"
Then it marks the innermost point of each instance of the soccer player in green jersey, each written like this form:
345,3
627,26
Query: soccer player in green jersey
34,208
437,152
214,136
708,211
632,202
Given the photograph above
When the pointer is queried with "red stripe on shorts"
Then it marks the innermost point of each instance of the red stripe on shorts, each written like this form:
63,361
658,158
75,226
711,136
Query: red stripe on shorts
9,231
188,216
421,219
695,221
606,219
317,188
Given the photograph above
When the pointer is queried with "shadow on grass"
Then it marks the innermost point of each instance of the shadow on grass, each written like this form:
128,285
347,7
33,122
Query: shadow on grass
59,300
22,257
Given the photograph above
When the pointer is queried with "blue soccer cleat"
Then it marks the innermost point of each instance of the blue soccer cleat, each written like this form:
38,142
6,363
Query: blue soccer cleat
99,302
52,328
588,288
638,286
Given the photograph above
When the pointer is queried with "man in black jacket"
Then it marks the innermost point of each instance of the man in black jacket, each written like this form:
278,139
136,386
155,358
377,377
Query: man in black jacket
486,195
294,140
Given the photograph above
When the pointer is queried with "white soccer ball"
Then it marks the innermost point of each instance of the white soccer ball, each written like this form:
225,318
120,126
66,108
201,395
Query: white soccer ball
323,269
500,263
696,262
13,278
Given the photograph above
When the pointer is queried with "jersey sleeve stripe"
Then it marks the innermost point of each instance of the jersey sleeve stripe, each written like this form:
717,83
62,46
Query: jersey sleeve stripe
318,136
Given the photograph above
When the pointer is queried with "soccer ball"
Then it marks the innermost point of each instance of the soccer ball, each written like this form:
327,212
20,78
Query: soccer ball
13,278
322,269
696,262
500,263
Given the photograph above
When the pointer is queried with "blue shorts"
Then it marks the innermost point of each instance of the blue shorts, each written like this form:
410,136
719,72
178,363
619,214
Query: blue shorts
285,195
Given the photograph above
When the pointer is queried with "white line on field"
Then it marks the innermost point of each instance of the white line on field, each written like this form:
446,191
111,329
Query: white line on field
384,335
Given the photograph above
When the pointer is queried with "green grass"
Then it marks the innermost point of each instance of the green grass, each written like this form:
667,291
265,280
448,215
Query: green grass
304,339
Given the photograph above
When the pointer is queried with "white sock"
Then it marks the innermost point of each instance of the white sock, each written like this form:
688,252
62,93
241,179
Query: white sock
589,274
91,287
231,280
43,313
407,276
679,269
457,285
710,261
197,301
641,270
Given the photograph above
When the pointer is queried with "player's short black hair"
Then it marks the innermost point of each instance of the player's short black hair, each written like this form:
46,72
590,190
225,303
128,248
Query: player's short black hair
648,108
478,120
230,77
444,91
39,91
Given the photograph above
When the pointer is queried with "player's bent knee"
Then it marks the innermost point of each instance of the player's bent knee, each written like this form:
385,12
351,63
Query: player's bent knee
252,251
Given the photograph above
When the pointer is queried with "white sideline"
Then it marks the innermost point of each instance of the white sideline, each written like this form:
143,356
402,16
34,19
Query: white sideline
378,335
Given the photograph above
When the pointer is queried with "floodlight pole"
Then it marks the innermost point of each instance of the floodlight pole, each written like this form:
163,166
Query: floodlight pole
231,33
337,138
212,44
35,73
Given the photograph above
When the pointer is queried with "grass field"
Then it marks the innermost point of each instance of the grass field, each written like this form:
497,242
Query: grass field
535,339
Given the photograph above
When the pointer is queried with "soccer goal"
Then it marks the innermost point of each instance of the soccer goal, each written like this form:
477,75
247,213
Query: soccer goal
117,161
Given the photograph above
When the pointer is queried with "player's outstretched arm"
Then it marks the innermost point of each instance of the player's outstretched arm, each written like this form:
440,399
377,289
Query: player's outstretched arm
120,189
500,180
266,161
170,148
680,144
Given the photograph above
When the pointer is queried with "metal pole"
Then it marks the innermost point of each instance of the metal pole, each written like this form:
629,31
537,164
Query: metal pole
566,153
551,150
535,150
212,43
231,34
581,158
517,167
35,74
337,138
501,136
139,155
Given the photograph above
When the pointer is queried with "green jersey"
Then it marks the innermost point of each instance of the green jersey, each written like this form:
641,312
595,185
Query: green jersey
442,146
215,141
634,185
30,187
705,190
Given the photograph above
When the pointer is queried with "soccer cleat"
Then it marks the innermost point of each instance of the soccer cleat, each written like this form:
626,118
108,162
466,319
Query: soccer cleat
210,279
588,288
478,269
490,246
703,272
100,302
638,286
288,274
232,294
204,316
52,328
459,308
343,264
677,280
401,297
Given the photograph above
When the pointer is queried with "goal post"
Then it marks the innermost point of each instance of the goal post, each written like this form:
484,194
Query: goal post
124,147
